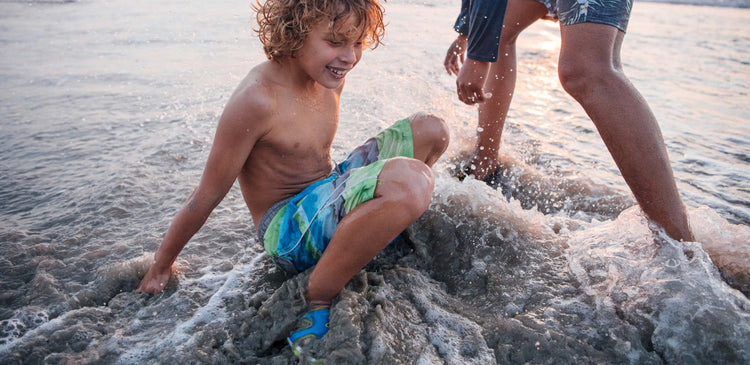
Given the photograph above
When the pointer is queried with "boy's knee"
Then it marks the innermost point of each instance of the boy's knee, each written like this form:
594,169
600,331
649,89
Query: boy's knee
432,128
407,181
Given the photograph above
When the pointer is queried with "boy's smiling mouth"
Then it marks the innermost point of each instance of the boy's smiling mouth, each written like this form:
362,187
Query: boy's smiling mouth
338,72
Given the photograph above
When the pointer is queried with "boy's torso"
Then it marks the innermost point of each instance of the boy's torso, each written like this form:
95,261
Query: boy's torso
294,151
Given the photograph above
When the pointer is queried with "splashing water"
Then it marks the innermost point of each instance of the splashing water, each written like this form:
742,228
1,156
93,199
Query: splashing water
108,112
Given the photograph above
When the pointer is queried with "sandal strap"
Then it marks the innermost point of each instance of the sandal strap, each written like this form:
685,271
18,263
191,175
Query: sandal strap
315,325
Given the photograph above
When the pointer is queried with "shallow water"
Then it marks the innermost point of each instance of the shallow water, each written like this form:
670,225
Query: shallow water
108,110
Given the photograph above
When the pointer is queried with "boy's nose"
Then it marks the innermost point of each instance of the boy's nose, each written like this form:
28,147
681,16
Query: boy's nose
349,54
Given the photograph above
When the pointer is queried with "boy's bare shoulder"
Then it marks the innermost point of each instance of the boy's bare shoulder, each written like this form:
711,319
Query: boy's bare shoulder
255,96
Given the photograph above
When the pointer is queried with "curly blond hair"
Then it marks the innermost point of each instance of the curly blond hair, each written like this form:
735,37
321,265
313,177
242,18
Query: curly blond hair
283,25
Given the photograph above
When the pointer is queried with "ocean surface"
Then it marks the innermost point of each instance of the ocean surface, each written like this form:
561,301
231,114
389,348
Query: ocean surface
107,114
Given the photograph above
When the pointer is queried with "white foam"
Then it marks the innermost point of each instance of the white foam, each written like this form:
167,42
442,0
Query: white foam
183,336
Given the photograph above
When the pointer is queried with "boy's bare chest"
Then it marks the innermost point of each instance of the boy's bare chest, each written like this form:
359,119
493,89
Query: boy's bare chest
305,140
308,124
302,135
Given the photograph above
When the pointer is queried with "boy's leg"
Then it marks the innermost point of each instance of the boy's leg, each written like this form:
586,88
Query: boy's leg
298,234
590,71
403,193
501,81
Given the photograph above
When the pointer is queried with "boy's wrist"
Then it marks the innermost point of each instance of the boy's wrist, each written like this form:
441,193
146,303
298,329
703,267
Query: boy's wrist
160,264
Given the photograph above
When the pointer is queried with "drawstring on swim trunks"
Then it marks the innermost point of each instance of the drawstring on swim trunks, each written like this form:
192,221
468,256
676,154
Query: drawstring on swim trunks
328,203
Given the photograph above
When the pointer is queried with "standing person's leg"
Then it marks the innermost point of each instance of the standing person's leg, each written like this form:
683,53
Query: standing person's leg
501,81
591,72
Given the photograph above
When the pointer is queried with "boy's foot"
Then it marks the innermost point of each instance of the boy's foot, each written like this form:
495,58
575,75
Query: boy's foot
313,326
403,236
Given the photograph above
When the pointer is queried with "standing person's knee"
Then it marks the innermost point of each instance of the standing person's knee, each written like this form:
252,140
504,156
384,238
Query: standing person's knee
572,77
579,78
407,182
430,130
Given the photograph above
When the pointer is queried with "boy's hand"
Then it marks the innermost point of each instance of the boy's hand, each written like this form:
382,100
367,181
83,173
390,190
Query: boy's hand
471,80
155,280
455,54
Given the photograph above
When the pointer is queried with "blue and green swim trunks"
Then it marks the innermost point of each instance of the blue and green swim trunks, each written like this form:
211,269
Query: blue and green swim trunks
296,231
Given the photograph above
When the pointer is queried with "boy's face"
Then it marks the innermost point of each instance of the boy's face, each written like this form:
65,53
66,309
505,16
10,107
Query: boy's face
327,56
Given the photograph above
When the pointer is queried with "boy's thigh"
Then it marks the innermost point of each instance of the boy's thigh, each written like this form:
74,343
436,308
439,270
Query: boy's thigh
396,140
308,226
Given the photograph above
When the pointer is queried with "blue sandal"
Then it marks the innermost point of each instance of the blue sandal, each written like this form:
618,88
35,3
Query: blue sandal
314,325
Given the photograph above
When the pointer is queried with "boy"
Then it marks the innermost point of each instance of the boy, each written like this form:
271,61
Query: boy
275,135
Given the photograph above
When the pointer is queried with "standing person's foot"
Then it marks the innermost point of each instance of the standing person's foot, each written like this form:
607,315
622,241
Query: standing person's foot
494,179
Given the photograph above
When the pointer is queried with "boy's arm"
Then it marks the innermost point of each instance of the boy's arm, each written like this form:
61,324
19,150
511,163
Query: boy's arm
240,126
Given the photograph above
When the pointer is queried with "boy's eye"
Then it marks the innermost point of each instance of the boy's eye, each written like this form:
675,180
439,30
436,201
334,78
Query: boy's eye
334,43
